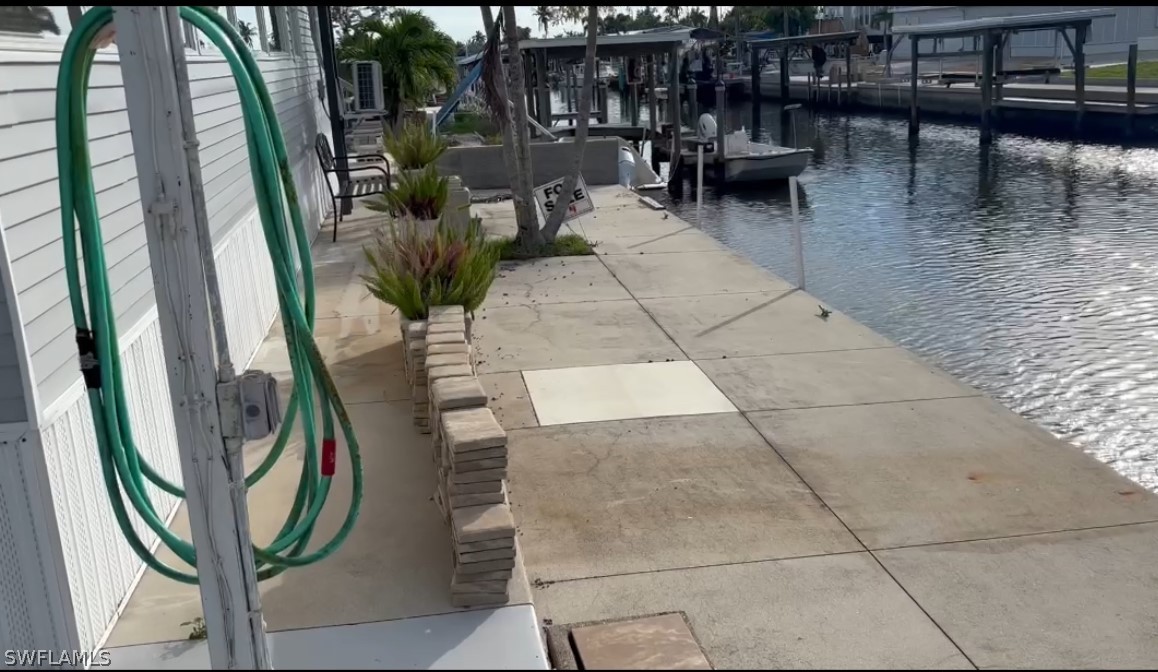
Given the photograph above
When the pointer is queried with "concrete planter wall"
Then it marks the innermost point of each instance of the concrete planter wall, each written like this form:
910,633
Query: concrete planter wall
481,167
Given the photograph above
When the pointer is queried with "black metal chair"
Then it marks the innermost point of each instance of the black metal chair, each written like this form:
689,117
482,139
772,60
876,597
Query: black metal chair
354,186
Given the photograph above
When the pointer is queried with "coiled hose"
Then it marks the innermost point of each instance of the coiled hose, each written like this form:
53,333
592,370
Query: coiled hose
124,467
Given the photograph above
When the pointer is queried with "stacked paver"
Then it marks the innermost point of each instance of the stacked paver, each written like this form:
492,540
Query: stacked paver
469,450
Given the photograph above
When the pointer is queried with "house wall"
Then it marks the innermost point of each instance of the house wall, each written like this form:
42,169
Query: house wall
1108,41
101,568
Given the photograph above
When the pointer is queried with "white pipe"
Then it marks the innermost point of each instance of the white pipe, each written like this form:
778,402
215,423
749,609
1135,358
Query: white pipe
792,187
699,184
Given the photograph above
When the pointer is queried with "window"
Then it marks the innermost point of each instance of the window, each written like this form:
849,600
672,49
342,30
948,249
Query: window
264,29
41,21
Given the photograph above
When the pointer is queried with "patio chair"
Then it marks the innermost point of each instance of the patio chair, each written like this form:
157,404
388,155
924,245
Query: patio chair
354,186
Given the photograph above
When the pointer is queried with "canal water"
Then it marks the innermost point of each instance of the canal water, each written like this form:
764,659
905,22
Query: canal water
1029,270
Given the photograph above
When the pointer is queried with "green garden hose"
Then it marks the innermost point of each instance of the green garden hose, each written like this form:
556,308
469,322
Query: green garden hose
125,468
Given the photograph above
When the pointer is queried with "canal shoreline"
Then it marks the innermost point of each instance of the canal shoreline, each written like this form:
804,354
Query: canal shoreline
852,490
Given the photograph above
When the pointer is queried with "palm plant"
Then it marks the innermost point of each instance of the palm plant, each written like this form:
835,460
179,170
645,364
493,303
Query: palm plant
246,31
415,146
545,16
697,18
413,271
416,58
421,195
673,12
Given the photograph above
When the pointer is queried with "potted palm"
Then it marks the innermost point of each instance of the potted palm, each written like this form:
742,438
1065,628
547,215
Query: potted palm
412,271
419,197
415,147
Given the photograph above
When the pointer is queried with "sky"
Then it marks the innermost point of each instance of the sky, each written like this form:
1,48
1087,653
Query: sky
461,22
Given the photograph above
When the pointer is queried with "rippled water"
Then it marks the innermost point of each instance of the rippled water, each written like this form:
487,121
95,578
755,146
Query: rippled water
1029,270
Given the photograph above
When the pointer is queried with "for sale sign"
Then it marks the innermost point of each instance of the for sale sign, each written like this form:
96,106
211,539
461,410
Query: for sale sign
550,195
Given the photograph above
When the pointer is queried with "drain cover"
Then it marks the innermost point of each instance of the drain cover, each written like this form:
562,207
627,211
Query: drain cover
659,642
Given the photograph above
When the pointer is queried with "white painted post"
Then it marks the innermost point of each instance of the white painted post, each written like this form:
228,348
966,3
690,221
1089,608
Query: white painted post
213,475
699,183
793,185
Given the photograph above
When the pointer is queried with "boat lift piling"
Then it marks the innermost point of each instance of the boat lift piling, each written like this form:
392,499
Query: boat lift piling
1131,88
995,33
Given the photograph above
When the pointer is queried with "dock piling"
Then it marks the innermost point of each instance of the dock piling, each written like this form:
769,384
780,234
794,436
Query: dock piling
673,99
721,122
987,57
1131,88
914,123
1080,75
652,112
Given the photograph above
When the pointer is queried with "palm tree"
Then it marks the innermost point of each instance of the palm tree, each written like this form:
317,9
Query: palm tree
696,18
713,18
545,16
416,58
672,12
246,31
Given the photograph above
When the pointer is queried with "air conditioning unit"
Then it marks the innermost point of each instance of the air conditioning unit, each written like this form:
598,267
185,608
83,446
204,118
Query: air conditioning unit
368,86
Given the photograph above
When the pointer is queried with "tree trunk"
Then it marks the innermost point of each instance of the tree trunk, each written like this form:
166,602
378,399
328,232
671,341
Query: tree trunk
714,17
555,219
521,187
525,217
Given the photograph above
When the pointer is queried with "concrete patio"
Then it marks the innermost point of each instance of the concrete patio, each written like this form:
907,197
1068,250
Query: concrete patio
383,599
809,494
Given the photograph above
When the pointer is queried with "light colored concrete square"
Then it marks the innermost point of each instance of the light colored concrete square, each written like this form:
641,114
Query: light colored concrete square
557,335
1070,600
622,391
948,470
508,399
555,280
642,495
653,643
822,613
649,276
630,220
685,241
396,563
743,325
830,379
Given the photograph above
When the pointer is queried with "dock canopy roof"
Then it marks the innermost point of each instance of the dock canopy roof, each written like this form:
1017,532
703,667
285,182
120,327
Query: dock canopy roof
1027,22
641,43
804,40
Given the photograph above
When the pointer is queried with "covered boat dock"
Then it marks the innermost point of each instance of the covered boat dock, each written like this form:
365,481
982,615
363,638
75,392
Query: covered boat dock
994,32
785,45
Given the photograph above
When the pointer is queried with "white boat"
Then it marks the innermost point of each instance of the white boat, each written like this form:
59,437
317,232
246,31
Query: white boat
750,162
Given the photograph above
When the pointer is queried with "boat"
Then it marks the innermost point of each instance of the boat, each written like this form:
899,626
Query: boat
745,161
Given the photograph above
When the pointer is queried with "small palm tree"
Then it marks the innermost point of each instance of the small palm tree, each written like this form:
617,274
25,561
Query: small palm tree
545,16
696,18
416,58
673,12
246,31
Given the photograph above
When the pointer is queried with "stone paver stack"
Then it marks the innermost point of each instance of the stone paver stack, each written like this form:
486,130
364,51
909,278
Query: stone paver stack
442,340
469,450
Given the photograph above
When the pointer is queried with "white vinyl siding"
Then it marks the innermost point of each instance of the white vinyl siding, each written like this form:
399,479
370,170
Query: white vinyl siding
100,567
29,195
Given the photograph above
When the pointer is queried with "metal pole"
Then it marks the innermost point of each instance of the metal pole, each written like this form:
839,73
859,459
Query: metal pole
334,102
213,474
793,185
699,183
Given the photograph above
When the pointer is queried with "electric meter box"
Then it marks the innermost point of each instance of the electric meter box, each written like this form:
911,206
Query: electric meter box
260,405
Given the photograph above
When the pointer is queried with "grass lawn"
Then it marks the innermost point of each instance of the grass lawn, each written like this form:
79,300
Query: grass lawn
566,245
1146,70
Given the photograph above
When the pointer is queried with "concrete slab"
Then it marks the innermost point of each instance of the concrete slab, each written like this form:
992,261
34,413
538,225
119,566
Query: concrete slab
662,642
830,379
833,612
508,399
396,563
649,276
948,470
623,391
1071,600
555,335
506,638
688,241
557,280
632,220
741,325
644,495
